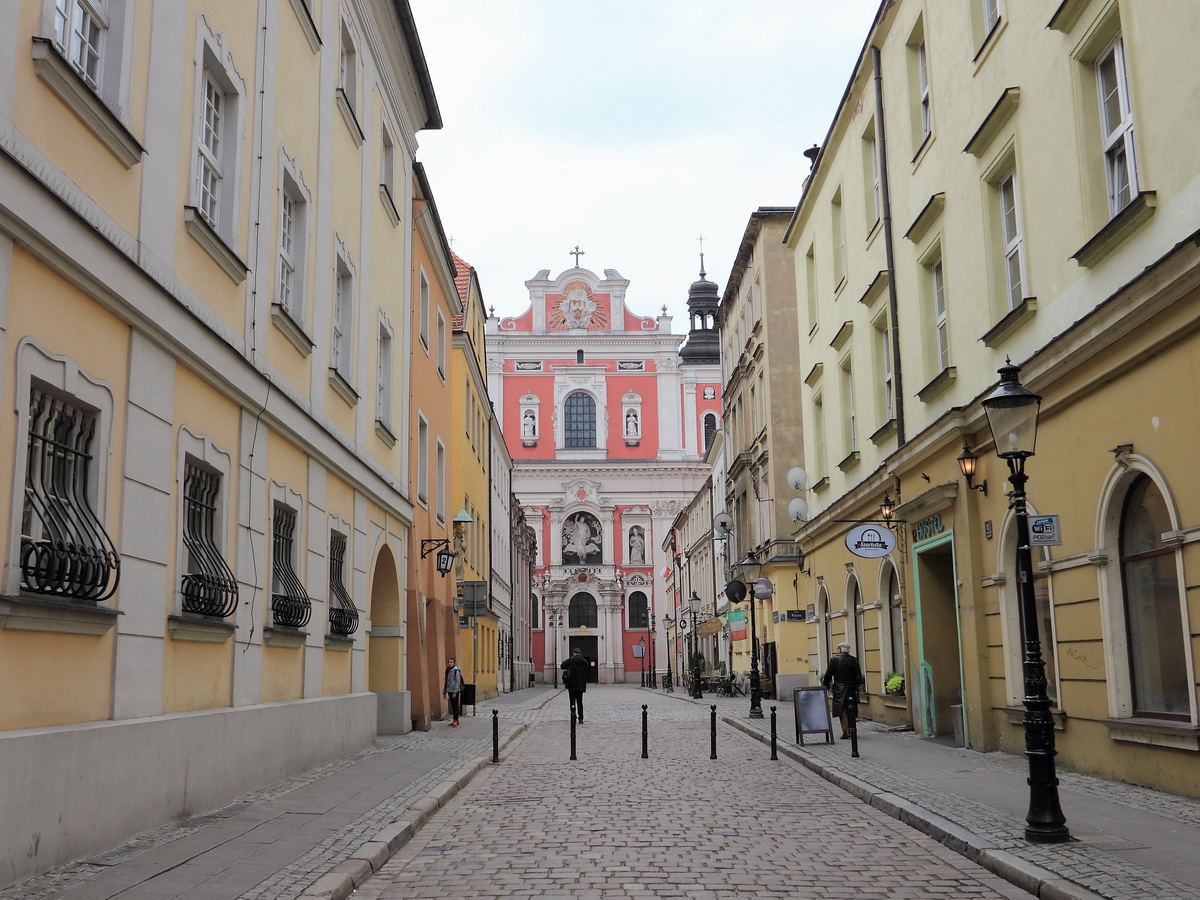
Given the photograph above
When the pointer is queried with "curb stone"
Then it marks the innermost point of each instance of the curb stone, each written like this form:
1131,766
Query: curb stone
1028,876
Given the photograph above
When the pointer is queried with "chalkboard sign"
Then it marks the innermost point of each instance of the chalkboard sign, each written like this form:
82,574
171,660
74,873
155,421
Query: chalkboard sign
812,713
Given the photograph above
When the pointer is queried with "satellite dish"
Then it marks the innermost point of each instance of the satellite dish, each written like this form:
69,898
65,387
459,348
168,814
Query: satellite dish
763,588
798,509
797,478
722,524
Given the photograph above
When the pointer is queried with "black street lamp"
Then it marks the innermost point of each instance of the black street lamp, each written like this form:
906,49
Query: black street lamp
737,591
697,691
643,659
1012,412
668,622
653,651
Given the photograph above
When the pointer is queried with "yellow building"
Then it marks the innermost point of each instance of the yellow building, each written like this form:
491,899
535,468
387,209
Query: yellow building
204,218
1010,181
479,633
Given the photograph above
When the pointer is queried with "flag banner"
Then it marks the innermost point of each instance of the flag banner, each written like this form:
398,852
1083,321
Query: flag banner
737,624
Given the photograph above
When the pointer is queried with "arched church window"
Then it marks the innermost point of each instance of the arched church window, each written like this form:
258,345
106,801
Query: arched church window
582,612
1153,620
579,421
710,429
535,611
639,610
582,540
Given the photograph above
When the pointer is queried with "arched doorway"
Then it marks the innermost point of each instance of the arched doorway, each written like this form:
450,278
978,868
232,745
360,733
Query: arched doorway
385,648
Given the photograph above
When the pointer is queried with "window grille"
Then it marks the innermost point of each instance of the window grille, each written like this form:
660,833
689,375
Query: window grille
290,605
208,585
343,616
639,610
580,421
65,551
582,612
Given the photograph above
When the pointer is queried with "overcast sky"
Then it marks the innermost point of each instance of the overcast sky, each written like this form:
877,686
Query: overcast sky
626,127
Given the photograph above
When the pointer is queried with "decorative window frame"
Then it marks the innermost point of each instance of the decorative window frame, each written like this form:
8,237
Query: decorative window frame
888,637
385,352
343,303
1012,638
289,313
65,376
389,165
570,610
422,439
441,336
442,486
282,497
102,107
424,307
529,403
349,77
1120,477
336,605
200,449
303,10
873,190
629,620
591,382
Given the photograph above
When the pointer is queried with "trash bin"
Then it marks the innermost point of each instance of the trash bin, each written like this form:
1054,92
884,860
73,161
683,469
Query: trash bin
956,716
468,695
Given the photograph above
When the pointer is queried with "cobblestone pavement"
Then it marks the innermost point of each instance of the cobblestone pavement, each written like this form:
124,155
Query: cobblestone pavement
675,825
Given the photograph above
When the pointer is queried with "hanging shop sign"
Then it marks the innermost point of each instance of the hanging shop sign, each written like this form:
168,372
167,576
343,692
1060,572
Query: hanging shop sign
870,541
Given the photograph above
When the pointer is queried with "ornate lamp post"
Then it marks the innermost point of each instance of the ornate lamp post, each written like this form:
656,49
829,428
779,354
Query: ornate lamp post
653,656
693,606
668,622
737,591
1012,412
643,659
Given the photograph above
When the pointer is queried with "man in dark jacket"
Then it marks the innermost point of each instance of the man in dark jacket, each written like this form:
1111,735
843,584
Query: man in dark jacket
844,677
575,677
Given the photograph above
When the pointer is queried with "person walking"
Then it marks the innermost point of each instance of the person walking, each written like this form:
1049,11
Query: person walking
844,678
452,688
575,677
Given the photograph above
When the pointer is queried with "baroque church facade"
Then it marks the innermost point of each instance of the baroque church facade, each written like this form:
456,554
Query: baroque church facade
607,415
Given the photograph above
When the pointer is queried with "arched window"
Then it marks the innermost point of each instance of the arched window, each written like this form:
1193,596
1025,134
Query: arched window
710,429
894,604
1153,619
825,639
579,421
582,611
535,611
855,611
639,610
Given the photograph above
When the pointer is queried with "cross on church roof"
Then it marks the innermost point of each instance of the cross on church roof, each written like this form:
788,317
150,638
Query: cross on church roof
576,253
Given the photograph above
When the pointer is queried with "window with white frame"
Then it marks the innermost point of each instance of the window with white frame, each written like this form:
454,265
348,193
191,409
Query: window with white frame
883,354
926,111
441,344
710,429
874,194
383,376
424,309
1010,233
347,89
810,283
1116,126
854,609
291,606
937,302
207,584
639,611
340,358
579,421
440,509
220,92
79,32
838,220
422,459
819,454
991,15
895,608
293,241
849,413
387,169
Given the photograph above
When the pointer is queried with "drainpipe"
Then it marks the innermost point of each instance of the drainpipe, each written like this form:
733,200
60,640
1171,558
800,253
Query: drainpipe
893,302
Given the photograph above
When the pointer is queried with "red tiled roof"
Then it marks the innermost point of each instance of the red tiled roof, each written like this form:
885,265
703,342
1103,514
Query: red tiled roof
462,281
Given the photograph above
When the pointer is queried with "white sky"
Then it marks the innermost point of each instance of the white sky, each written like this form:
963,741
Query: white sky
628,127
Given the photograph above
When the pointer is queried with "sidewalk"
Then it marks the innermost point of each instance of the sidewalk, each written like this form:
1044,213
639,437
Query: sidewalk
276,843
1128,842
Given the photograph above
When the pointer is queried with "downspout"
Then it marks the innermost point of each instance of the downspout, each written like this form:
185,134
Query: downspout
893,302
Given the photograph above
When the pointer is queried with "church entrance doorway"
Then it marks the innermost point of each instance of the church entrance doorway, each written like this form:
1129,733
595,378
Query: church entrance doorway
588,647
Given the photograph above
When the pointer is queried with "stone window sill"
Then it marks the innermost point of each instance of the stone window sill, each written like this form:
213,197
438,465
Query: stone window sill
1012,320
384,433
188,627
60,616
291,329
339,642
1118,229
281,636
217,248
1016,716
1156,732
342,387
941,381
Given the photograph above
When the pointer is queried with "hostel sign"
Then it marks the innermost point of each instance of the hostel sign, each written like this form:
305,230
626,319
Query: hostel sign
870,541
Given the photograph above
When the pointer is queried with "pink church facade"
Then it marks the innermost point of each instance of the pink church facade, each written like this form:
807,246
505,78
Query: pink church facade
607,416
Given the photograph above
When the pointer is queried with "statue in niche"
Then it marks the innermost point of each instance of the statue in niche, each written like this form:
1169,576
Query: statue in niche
631,423
581,539
528,424
637,546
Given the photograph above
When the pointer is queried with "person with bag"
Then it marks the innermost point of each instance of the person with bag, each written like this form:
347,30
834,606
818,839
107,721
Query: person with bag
575,677
453,689
844,678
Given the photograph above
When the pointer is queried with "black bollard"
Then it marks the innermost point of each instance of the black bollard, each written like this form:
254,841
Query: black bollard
774,750
713,717
573,731
495,735
645,734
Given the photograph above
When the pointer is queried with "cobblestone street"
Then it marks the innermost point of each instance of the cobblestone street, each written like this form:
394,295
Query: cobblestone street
678,824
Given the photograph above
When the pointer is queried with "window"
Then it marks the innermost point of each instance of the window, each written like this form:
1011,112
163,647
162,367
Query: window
710,429
343,616
810,282
65,550
874,193
582,612
77,34
441,345
208,585
423,300
290,604
839,240
387,171
887,386
383,377
824,620
422,459
895,607
211,137
579,357
340,352
923,91
535,612
441,481
991,15
820,459
1153,618
854,609
849,413
347,89
1116,126
639,611
937,291
579,414
1010,231
293,241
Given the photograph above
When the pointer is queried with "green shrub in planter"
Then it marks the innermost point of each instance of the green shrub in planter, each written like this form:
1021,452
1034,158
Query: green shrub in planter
894,683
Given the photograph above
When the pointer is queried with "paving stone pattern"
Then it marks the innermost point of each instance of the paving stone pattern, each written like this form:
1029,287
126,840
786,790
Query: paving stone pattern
676,825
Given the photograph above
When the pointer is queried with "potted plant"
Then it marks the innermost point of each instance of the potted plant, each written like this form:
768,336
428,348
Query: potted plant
894,684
